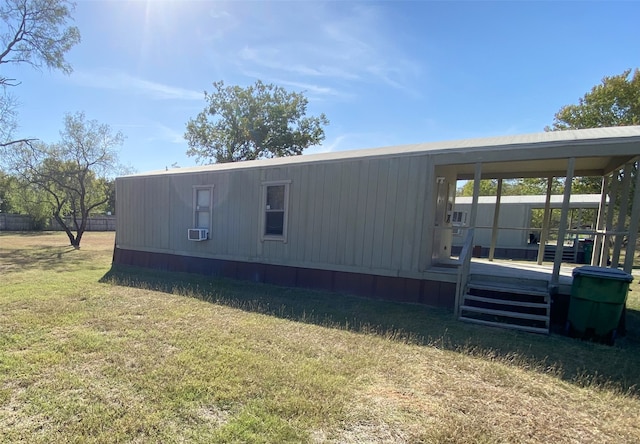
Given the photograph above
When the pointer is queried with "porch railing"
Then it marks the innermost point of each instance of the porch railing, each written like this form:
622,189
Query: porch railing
464,265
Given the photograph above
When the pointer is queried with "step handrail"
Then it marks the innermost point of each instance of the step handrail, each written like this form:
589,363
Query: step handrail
464,262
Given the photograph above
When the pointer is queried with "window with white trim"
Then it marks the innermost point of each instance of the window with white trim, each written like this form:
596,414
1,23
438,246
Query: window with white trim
275,210
458,221
202,206
459,217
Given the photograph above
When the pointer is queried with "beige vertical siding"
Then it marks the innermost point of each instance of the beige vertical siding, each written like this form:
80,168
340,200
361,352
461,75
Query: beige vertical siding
300,213
359,214
130,211
155,203
368,219
424,232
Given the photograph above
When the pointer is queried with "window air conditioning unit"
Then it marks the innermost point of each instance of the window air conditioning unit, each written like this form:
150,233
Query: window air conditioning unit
197,234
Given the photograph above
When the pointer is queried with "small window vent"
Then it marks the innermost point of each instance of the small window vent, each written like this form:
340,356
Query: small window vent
197,234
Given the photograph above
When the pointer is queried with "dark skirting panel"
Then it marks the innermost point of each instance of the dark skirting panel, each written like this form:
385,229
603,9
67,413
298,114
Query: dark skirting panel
279,275
315,279
434,293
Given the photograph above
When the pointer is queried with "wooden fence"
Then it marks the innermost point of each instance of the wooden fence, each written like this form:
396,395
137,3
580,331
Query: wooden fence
15,222
19,222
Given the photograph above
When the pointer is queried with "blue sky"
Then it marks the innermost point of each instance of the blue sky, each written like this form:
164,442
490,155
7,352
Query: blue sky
384,73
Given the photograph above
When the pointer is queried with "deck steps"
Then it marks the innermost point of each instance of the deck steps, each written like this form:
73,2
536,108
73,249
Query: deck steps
568,254
509,302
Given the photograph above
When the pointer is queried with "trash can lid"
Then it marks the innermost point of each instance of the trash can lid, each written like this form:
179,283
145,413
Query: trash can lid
603,272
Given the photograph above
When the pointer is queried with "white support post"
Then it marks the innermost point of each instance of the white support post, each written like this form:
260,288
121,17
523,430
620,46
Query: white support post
613,196
477,176
576,236
633,228
622,215
555,277
544,235
598,241
496,216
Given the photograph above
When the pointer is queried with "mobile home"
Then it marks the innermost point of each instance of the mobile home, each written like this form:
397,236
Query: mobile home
374,222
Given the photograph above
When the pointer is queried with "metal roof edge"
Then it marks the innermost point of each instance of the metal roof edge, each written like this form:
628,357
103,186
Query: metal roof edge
623,134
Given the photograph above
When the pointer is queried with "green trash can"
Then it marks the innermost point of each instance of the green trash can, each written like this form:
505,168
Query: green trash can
598,296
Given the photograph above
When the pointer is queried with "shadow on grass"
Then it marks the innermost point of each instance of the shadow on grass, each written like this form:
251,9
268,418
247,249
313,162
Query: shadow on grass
48,258
583,363
46,251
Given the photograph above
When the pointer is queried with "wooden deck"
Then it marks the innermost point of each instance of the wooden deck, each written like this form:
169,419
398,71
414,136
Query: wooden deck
522,269
515,270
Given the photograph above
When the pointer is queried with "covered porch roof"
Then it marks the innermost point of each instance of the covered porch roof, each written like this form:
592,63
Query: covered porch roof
609,153
597,152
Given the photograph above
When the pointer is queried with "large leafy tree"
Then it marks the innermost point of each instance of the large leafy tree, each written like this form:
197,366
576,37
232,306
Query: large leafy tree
259,121
614,102
73,174
34,33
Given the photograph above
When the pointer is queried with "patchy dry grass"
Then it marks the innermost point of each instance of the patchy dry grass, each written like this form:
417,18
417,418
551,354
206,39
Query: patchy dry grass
89,354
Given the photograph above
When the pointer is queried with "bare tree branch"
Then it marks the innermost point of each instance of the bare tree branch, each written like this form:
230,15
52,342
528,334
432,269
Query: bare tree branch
14,142
35,33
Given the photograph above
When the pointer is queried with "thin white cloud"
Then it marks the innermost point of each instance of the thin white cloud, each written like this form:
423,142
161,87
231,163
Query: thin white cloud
397,76
328,147
351,141
271,58
165,133
221,15
153,131
223,24
311,88
312,91
340,45
129,84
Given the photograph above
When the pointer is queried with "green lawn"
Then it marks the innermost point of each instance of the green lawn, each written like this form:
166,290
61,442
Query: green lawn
89,354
